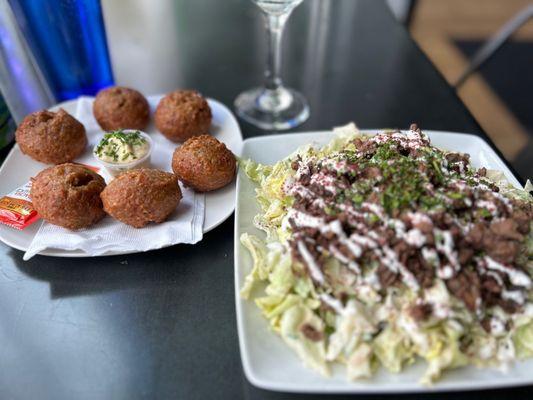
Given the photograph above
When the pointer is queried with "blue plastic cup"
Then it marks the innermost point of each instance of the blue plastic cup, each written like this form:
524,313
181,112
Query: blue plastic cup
67,39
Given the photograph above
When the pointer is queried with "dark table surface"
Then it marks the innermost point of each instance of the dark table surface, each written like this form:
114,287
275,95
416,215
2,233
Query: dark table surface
162,324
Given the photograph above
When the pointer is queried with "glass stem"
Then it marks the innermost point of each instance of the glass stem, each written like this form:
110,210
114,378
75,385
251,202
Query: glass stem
275,24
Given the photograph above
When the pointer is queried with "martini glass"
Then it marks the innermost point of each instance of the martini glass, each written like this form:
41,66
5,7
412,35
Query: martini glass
273,106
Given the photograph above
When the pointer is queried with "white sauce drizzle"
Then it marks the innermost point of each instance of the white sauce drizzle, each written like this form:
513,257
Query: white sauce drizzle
497,326
399,227
350,210
431,256
363,240
304,220
445,272
415,238
328,182
496,277
338,255
515,295
314,268
418,218
390,260
517,277
374,208
444,244
336,227
332,302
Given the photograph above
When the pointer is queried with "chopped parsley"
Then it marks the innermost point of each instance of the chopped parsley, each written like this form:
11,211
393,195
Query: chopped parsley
119,145
404,181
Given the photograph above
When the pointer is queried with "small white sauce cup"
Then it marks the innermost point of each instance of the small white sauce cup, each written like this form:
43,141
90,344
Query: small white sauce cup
115,169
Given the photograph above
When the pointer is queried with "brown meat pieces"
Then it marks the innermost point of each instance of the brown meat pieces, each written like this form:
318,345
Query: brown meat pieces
386,276
491,292
422,270
311,333
140,196
475,235
422,311
523,215
504,251
68,195
466,286
501,239
183,114
204,164
121,108
51,137
506,228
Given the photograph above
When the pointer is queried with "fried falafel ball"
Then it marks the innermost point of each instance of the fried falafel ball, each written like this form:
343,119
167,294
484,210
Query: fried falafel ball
119,107
183,114
204,164
68,195
140,196
51,137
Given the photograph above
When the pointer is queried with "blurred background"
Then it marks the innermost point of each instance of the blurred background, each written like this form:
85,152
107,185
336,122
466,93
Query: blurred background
497,86
56,50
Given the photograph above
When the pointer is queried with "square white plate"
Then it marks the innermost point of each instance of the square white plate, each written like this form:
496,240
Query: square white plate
270,364
17,169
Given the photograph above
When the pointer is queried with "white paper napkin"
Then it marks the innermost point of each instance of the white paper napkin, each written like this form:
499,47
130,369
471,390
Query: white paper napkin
183,226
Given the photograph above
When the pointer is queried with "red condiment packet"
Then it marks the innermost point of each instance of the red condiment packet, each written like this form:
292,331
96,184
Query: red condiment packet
16,209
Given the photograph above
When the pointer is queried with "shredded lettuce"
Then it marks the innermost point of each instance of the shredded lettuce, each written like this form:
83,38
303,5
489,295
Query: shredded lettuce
359,364
260,269
255,171
523,341
312,353
269,194
447,355
392,349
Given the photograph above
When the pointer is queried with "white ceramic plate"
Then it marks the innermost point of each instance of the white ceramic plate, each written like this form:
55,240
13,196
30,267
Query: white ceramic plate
270,364
18,168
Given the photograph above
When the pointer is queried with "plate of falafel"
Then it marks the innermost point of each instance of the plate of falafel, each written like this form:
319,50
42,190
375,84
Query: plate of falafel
125,158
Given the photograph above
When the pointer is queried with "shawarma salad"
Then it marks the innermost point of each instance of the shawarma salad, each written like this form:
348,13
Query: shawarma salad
381,250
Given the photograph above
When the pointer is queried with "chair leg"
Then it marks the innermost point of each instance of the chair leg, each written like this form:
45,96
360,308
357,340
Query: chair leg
495,42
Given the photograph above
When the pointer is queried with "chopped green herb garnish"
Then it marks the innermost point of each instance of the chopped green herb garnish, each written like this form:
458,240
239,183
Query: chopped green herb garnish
112,145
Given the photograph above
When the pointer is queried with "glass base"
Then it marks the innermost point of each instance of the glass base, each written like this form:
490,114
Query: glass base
278,109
